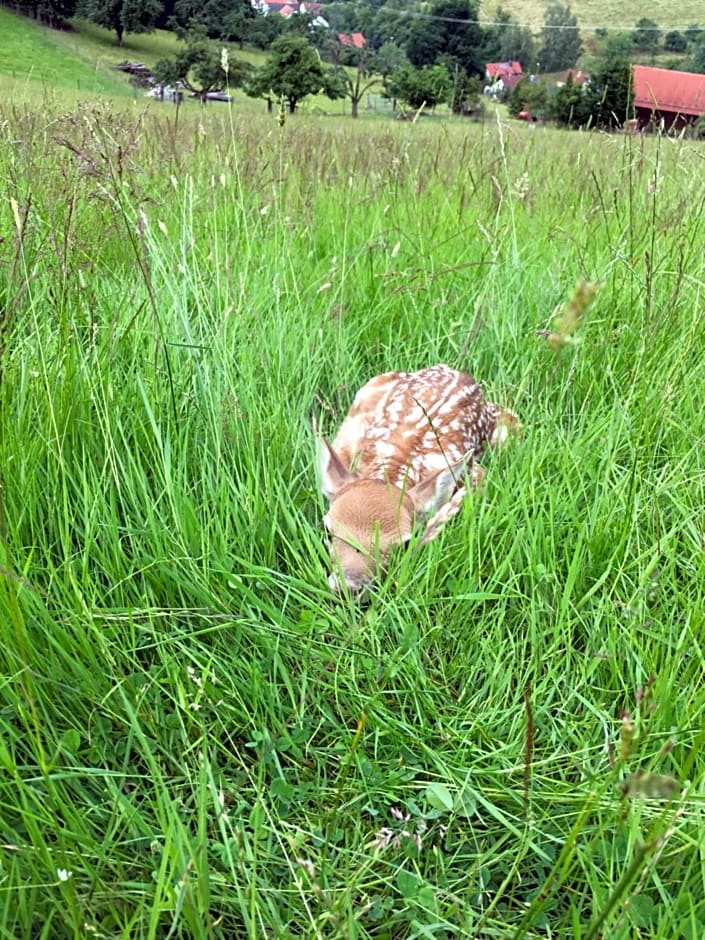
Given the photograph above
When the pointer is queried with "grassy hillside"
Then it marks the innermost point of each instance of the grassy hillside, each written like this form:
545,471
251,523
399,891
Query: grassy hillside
605,13
196,738
37,63
37,56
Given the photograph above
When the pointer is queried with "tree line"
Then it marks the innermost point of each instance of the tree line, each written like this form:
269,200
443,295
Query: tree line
424,55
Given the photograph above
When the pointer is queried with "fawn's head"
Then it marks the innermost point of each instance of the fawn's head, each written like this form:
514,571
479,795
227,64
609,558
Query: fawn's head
367,518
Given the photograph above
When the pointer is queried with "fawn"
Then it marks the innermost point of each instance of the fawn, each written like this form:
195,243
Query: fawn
402,455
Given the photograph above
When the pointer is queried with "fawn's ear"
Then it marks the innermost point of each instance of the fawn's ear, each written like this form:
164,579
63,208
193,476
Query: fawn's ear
506,423
430,494
334,473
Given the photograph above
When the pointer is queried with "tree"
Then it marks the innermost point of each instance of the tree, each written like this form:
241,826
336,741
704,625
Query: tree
121,16
389,58
697,61
51,12
359,82
452,32
466,94
222,19
610,93
293,70
694,33
426,42
674,41
418,87
569,106
561,40
506,41
264,30
199,67
518,45
528,96
646,35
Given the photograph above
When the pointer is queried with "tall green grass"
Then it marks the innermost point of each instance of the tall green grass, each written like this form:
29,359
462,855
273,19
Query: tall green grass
196,738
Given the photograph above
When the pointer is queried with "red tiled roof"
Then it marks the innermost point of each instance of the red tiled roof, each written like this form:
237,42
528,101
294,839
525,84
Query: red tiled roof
666,90
353,40
503,69
579,77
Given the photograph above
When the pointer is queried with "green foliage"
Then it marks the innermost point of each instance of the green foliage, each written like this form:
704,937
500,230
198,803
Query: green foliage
354,85
221,19
121,16
561,39
570,105
529,96
506,41
610,92
466,93
51,12
694,33
388,59
674,41
200,66
646,35
452,32
264,30
418,88
697,59
293,71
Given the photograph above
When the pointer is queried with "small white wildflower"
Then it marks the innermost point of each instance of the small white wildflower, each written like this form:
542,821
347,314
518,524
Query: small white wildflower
63,874
307,866
14,205
264,210
195,707
222,180
162,227
34,374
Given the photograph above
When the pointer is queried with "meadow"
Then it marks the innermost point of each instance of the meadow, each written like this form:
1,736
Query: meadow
597,14
196,738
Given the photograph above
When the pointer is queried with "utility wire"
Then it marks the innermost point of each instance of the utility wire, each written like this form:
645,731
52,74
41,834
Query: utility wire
417,14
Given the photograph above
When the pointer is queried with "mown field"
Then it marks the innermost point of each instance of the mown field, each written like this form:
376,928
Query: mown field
196,738
595,14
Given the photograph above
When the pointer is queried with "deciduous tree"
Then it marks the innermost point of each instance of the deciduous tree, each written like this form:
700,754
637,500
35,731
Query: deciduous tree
121,16
427,86
561,39
200,66
646,35
222,19
359,82
675,41
293,71
610,93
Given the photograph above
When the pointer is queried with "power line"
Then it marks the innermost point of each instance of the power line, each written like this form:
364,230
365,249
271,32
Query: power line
581,27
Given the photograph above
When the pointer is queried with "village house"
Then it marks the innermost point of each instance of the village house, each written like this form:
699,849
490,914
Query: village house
502,76
579,77
666,98
352,40
287,8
